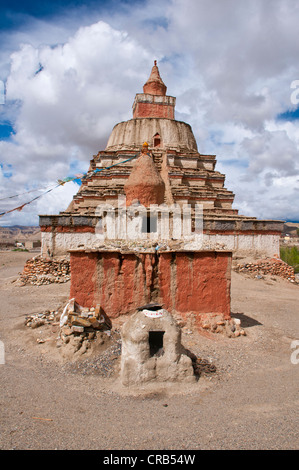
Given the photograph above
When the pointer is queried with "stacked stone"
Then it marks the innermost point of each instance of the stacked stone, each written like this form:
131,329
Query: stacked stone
274,267
76,319
77,325
80,326
231,328
39,270
35,320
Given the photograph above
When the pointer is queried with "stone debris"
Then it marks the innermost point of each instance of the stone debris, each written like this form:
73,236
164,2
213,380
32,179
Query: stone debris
72,319
79,326
80,319
79,339
229,327
103,364
211,323
203,366
77,329
273,266
39,271
36,320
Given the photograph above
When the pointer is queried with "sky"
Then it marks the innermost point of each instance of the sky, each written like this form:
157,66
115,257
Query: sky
69,71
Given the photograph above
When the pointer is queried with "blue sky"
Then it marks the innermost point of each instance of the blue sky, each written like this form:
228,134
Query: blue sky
15,14
6,130
70,71
292,115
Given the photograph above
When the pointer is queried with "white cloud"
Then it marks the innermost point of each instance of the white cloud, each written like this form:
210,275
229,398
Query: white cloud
72,95
272,151
230,64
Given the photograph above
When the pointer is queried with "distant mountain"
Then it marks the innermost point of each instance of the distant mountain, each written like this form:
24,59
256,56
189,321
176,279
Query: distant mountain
290,228
19,233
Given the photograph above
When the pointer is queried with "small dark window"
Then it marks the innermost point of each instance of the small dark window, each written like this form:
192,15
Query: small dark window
149,224
157,140
155,339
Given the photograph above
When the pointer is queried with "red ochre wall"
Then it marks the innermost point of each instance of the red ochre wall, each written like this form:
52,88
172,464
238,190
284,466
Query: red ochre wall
196,282
153,110
83,278
183,282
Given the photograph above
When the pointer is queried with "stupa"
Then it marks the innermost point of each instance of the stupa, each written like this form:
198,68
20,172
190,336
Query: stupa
185,178
152,220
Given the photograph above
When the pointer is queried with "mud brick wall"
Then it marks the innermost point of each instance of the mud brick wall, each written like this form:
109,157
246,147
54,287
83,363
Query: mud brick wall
184,282
153,110
196,282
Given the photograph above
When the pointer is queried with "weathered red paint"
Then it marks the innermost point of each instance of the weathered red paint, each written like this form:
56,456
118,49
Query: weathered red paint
197,282
166,272
68,229
153,110
84,278
207,281
124,282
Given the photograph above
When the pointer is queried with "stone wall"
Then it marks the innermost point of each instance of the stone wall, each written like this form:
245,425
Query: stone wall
255,239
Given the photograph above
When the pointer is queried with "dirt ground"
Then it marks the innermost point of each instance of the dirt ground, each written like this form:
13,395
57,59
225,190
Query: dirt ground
50,400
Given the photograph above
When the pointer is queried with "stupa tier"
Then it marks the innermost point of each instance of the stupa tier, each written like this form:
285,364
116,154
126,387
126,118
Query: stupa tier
189,178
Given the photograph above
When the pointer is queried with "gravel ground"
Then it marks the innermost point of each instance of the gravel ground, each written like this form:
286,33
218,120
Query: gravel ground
247,400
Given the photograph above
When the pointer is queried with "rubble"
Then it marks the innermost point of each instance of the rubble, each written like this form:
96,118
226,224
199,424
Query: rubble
202,366
77,326
103,364
217,324
38,271
80,319
229,327
35,320
272,266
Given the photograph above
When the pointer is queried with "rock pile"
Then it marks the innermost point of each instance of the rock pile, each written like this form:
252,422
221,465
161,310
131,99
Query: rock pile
81,326
203,366
39,271
230,328
35,320
212,324
77,327
273,266
77,319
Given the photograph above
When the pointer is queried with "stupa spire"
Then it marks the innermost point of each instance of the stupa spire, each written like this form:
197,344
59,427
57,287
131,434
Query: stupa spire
155,84
153,102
